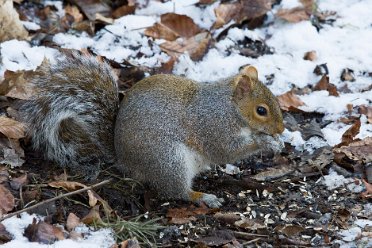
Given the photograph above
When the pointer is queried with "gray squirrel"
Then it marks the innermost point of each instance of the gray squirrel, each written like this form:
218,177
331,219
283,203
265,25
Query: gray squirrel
165,131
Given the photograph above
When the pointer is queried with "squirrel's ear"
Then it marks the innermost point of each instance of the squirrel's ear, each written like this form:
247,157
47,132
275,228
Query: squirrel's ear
250,71
242,86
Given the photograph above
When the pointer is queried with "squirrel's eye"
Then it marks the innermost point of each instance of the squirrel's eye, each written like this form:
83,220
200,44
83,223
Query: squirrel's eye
262,111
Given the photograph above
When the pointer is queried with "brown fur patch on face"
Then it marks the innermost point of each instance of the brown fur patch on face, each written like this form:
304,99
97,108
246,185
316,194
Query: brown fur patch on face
250,93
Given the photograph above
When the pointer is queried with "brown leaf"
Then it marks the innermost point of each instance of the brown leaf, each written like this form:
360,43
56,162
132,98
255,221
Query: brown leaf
72,222
360,150
91,7
123,10
294,15
228,218
240,11
367,111
74,11
11,26
195,46
183,25
324,84
311,55
43,232
5,236
67,185
93,216
185,215
249,224
17,182
11,128
347,75
349,134
173,26
290,230
7,201
159,31
368,192
217,238
15,85
289,99
273,173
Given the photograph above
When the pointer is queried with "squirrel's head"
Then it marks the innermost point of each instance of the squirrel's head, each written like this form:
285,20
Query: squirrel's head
257,104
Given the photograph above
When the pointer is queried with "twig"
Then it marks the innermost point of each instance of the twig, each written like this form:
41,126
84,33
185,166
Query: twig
55,198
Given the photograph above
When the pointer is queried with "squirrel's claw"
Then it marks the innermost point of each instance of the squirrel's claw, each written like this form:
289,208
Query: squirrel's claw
210,200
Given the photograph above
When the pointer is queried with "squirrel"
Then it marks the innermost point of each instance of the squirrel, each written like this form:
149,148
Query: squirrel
165,131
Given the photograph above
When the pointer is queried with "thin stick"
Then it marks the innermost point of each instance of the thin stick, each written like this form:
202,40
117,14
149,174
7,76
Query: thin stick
55,198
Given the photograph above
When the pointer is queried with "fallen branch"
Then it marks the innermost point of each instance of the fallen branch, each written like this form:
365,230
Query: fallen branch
55,198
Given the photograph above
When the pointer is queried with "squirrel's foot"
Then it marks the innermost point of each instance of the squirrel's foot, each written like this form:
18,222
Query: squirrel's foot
211,200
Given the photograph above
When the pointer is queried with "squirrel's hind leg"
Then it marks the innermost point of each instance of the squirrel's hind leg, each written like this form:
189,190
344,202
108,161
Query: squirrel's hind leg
184,164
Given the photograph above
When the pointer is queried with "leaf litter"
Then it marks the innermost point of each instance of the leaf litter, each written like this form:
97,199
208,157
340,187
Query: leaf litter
296,198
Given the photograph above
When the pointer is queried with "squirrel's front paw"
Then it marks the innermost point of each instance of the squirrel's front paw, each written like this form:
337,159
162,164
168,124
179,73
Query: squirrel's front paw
211,200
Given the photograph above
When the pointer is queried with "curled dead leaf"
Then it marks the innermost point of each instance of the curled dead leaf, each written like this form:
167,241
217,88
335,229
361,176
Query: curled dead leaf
11,25
311,55
250,224
172,26
7,201
367,111
324,84
240,11
294,15
67,185
349,135
15,84
72,221
43,232
11,128
289,99
195,46
360,150
93,216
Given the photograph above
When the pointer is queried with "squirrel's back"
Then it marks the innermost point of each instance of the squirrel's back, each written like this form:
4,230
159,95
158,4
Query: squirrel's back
72,115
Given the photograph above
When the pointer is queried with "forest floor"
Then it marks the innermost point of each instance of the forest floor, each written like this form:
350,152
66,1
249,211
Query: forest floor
315,56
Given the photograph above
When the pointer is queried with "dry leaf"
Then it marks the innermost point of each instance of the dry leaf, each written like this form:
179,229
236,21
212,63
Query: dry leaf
229,218
15,85
123,10
367,111
7,201
183,25
66,185
249,224
74,11
5,236
11,128
11,26
273,173
195,46
217,239
92,7
173,26
17,182
360,150
368,192
348,136
311,55
185,215
159,31
289,99
93,216
324,84
290,230
72,222
294,15
240,11
11,158
43,232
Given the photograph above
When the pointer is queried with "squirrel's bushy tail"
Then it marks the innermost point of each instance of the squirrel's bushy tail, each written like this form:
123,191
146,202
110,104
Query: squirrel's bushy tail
72,115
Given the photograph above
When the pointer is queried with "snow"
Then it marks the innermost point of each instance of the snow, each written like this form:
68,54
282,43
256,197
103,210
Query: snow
93,239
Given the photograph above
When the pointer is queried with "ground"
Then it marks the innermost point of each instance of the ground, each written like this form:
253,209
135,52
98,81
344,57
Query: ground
316,58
